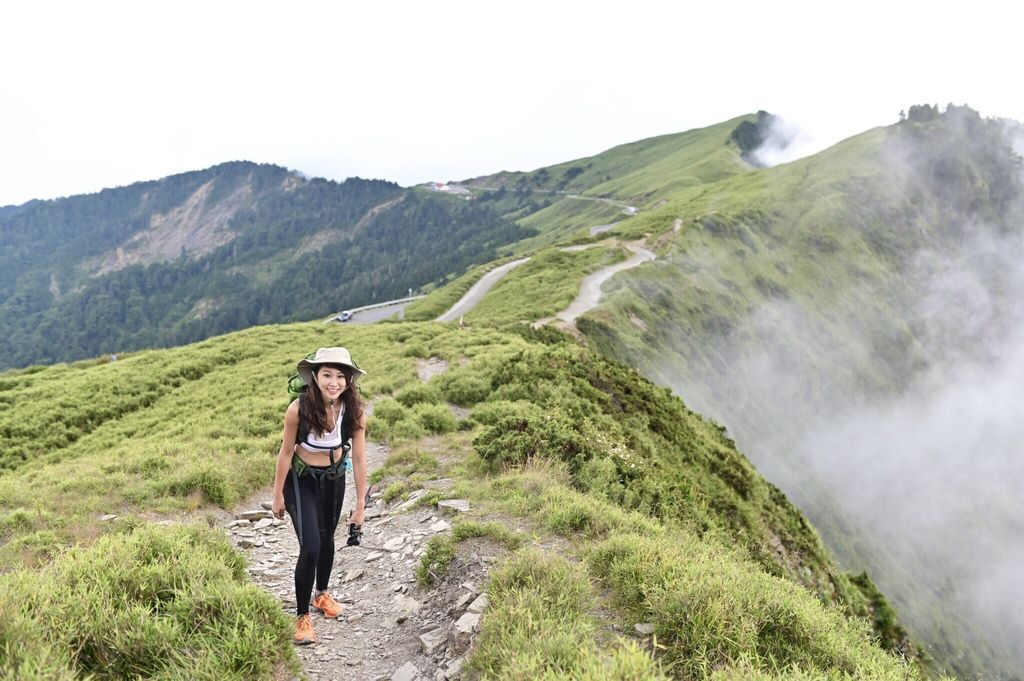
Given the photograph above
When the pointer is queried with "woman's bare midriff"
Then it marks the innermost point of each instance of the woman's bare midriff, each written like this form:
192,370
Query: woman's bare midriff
317,458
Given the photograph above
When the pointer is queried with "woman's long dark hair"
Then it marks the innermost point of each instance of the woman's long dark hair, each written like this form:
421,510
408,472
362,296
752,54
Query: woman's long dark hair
313,411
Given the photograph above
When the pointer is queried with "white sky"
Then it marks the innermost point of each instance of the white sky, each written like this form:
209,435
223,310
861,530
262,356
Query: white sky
98,94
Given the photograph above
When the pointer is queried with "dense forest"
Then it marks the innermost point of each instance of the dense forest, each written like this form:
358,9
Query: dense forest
292,249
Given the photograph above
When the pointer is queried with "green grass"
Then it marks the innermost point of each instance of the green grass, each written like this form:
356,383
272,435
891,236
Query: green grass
494,530
827,245
542,287
538,627
441,549
713,609
583,445
169,603
440,300
436,560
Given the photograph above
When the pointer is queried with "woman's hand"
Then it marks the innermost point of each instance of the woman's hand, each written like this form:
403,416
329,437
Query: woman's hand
277,507
357,516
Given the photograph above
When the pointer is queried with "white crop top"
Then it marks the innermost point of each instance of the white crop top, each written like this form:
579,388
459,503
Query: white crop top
327,441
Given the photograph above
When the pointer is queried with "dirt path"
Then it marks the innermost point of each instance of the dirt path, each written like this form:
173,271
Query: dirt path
476,292
378,637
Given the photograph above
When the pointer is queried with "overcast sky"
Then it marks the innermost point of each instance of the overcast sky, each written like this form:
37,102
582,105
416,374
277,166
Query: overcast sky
98,94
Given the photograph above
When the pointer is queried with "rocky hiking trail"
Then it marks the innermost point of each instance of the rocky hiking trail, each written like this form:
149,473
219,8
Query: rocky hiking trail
391,628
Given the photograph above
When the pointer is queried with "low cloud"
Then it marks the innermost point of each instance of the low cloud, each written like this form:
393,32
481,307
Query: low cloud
931,476
784,142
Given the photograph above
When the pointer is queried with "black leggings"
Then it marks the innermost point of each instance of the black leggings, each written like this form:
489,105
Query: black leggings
316,553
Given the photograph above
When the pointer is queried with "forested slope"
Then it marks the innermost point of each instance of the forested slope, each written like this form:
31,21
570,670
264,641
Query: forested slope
176,260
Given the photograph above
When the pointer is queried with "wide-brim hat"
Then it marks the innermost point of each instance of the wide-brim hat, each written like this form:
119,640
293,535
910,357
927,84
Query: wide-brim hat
305,367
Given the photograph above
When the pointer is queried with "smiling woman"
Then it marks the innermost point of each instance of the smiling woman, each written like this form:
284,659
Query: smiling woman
326,420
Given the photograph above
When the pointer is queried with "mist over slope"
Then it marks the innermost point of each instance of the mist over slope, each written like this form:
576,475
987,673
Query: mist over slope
855,319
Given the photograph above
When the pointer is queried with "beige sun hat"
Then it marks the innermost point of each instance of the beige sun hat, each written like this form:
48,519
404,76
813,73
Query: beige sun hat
327,356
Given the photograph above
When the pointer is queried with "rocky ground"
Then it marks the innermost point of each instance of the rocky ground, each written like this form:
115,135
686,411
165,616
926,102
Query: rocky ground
391,629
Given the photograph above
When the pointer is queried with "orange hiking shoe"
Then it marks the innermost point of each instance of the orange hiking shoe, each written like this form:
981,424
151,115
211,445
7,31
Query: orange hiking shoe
327,605
304,630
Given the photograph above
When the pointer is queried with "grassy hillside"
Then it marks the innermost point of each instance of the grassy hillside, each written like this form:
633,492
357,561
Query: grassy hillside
661,511
640,172
563,201
815,286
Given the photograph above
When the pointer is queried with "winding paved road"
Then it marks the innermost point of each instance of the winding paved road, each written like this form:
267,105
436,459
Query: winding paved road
478,291
590,288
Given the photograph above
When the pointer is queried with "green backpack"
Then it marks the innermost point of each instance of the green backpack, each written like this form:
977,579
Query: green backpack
296,386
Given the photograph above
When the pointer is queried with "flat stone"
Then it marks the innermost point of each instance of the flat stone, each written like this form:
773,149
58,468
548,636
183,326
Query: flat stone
263,523
266,505
352,575
457,505
644,628
411,500
463,601
406,605
107,517
441,526
373,555
407,672
246,543
479,605
239,523
454,669
255,514
464,629
431,641
394,544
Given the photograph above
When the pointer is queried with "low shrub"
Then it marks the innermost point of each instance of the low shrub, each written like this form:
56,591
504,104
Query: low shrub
435,418
133,604
538,627
436,560
421,393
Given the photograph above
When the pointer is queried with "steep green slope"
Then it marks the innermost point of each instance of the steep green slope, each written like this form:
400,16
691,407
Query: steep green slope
564,200
669,516
639,172
798,298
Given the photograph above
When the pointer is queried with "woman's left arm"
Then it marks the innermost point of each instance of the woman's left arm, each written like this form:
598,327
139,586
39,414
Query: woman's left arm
359,471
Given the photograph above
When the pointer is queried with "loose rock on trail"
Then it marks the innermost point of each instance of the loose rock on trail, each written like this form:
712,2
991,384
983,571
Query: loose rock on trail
390,629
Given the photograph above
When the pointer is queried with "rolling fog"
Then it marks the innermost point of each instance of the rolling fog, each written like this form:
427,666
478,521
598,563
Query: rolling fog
934,474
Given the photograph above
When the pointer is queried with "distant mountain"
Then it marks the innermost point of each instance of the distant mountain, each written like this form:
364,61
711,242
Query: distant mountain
189,256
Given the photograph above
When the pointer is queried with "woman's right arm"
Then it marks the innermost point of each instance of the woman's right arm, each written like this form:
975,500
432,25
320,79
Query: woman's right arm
284,457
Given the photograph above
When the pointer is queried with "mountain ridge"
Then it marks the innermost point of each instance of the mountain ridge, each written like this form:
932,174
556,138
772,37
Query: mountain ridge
818,256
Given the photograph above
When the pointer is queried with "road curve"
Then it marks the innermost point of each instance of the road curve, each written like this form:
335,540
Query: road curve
590,288
478,290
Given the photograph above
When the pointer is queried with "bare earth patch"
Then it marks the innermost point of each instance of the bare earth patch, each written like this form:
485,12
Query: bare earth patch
426,369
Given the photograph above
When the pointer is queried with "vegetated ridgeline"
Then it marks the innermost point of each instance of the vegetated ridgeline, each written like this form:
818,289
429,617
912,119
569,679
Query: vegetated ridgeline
853,317
603,517
649,546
